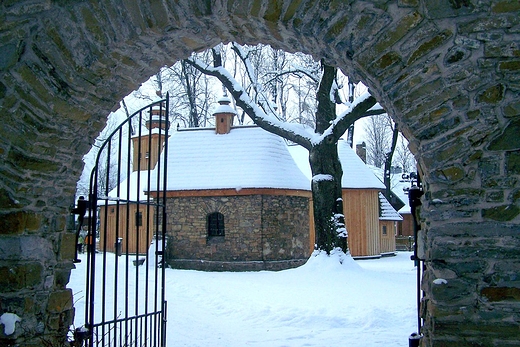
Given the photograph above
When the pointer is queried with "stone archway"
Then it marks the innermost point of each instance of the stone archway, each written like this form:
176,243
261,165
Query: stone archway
448,71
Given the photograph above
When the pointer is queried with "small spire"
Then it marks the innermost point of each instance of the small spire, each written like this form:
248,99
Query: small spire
224,114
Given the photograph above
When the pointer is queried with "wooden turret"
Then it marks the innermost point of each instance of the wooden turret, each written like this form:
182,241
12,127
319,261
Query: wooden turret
224,114
143,157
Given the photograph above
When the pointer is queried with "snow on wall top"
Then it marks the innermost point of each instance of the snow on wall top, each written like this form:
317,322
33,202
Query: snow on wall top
387,211
356,175
246,157
122,193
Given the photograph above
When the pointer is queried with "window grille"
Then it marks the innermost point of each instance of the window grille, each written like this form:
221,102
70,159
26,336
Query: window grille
216,224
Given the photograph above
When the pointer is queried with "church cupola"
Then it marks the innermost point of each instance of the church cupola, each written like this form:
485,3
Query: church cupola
224,114
157,118
144,155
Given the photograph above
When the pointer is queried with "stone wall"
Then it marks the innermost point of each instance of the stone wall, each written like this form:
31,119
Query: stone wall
261,232
447,71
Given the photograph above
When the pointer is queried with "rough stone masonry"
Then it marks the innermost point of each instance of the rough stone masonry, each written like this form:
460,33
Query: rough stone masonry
447,71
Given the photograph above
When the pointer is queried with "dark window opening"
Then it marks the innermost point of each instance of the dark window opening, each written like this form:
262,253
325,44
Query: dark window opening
384,229
215,224
139,219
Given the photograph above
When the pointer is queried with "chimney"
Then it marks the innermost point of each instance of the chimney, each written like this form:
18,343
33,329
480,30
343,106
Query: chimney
361,151
224,114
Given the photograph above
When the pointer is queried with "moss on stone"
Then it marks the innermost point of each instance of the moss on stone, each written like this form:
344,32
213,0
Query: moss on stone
274,10
387,60
12,223
450,174
21,276
93,26
405,25
60,301
492,95
336,29
506,6
509,139
512,110
502,213
501,293
255,8
291,10
513,162
512,65
430,45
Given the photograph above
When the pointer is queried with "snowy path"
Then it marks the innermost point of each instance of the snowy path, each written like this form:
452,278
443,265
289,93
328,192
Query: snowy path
365,303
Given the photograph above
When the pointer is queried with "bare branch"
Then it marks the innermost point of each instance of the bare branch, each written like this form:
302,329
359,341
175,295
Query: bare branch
268,122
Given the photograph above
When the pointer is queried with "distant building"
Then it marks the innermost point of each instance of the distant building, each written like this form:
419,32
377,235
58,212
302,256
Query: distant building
239,198
367,214
236,199
127,212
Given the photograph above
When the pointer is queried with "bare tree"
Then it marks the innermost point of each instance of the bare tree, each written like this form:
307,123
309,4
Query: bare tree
320,141
378,130
403,157
110,157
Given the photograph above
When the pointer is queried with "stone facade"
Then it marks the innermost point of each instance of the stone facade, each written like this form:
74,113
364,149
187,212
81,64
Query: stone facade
262,232
448,72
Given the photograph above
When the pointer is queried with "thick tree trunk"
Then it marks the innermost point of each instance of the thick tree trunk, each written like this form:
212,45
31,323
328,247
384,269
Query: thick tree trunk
329,221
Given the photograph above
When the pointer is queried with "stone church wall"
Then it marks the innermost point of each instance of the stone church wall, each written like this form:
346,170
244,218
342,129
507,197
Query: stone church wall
261,232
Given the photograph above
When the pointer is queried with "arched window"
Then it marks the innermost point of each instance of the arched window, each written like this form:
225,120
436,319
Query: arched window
215,224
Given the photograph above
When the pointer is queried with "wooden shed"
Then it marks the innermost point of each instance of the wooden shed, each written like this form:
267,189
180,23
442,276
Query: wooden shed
127,217
131,229
388,219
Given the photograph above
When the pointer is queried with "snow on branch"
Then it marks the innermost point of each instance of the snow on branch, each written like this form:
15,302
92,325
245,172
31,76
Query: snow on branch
356,110
322,177
294,132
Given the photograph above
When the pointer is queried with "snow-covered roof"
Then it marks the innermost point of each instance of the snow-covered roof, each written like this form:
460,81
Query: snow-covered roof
246,157
136,177
356,175
145,131
397,185
355,172
387,212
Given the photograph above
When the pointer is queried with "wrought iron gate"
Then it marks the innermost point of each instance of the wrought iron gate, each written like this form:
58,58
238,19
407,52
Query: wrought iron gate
125,294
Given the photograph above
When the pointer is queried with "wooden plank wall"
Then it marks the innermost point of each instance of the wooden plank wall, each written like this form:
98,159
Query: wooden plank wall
388,240
132,234
361,209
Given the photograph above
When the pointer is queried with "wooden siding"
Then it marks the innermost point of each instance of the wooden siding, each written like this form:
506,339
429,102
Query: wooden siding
147,155
361,209
405,227
388,239
135,238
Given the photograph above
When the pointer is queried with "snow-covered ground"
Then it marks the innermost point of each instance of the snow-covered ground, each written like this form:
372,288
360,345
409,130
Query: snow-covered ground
364,303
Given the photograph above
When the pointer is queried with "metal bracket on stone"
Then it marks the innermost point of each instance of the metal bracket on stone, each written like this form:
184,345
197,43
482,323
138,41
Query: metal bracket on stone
80,210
